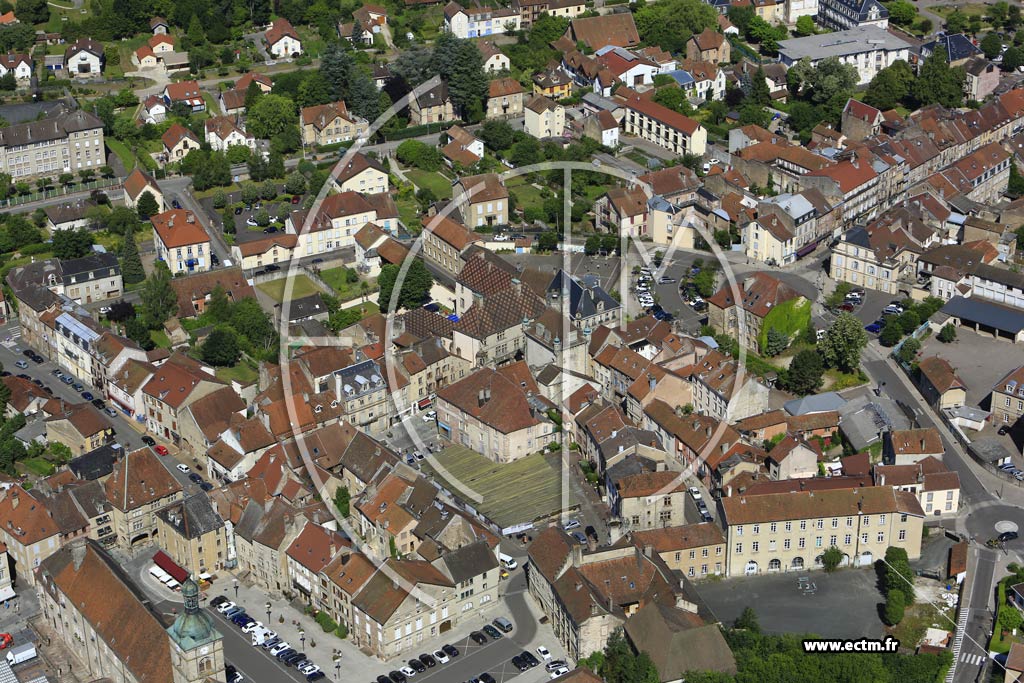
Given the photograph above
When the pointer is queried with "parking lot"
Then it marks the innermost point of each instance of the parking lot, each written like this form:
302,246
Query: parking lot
843,604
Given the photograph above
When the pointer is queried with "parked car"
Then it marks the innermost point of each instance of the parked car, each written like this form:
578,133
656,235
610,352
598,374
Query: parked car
317,675
504,624
148,440
195,478
519,664
554,664
544,653
87,395
530,660
873,328
225,607
478,637
238,210
98,402
161,450
560,671
492,632
486,678
22,364
1004,430
397,676
407,671
428,659
232,674
571,524
450,650
441,657
1007,536
181,467
218,601
417,666
695,492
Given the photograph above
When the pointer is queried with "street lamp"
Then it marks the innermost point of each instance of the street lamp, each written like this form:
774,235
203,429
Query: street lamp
236,589
302,638
337,668
268,614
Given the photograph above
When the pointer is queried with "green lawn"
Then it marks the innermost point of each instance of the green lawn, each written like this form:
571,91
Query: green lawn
431,180
40,466
536,493
338,281
122,152
241,372
409,213
525,193
301,286
159,338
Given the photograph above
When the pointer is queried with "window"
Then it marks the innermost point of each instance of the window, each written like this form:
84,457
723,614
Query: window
881,537
801,543
739,530
803,525
689,572
864,538
849,522
789,526
755,547
739,547
679,556
757,529
832,540
903,518
704,552
774,527
867,520
835,522
817,541
847,539
881,519
902,535
785,544
693,554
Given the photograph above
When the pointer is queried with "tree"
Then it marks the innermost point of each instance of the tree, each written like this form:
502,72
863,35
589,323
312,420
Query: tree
221,347
250,193
136,330
901,12
831,559
670,24
295,183
991,45
131,264
890,86
270,116
759,93
461,65
775,342
363,96
497,134
147,205
341,501
947,334
805,26
805,372
547,241
898,576
895,607
1013,58
747,620
159,302
956,22
415,288
891,332
255,326
1015,188
592,245
674,98
843,342
908,350
268,190
937,83
218,307
1009,618
754,114
69,244
32,11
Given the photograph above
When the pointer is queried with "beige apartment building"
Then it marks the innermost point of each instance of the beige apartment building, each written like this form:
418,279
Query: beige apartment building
193,534
481,200
1008,397
66,143
649,500
139,486
696,550
445,241
327,124
781,532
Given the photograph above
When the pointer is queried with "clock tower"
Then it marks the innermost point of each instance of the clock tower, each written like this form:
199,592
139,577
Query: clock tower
197,651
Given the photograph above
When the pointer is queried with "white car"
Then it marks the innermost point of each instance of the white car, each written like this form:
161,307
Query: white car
104,310
560,671
441,657
544,653
695,492
225,606
407,671
430,416
572,524
252,627
182,468
280,647
251,222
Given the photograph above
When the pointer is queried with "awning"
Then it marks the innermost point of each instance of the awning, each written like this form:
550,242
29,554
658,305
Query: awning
161,560
424,403
806,249
6,593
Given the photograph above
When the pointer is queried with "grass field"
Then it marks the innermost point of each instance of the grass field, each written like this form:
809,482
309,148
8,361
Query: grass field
122,152
433,181
522,491
40,466
160,338
240,371
526,194
301,287
346,291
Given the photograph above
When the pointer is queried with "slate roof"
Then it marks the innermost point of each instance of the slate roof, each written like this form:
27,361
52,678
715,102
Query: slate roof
584,297
193,517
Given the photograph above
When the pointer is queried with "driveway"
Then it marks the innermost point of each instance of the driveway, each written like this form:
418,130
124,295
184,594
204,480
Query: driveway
844,605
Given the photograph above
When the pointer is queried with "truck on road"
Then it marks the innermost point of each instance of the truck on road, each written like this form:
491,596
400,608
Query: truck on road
21,653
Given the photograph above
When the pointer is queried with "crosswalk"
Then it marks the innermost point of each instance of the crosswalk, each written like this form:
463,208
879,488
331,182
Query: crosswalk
11,339
972,659
958,639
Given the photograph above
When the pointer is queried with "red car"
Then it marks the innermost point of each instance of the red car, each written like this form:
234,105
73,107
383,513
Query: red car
296,199
5,640
160,450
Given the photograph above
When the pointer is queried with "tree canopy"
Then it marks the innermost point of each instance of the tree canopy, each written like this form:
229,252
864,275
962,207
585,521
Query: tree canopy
843,342
415,287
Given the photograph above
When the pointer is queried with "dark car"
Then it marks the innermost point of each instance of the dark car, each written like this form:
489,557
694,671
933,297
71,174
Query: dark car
38,382
397,676
239,617
231,674
518,663
148,440
98,402
270,230
238,211
316,676
493,632
195,478
417,666
176,204
1008,536
383,679
288,651
486,678
528,657
478,638
295,658
87,395
47,389
24,376
271,268
37,358
219,600
27,353
1004,430
214,259
206,486
450,650
428,660
873,328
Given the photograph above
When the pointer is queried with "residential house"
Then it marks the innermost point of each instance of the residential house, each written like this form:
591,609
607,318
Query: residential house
193,291
66,143
445,242
622,211
908,446
696,550
96,277
362,174
868,48
334,227
708,46
79,427
720,390
838,15
481,200
153,110
602,127
139,486
463,148
530,10
584,300
178,142
939,383
19,64
255,254
982,78
761,293
937,488
84,57
664,127
504,98
489,413
282,39
186,93
223,132
860,121
327,124
649,500
544,118
790,531
553,83
477,21
177,383
431,106
137,182
192,533
1007,398
494,59
181,241
616,29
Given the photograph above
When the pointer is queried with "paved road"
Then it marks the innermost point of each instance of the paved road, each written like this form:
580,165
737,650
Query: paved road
978,630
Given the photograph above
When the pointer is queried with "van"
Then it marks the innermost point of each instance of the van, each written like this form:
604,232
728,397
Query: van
504,624
21,653
507,562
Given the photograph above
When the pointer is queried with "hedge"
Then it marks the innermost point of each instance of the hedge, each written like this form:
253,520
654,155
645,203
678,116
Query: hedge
425,129
325,621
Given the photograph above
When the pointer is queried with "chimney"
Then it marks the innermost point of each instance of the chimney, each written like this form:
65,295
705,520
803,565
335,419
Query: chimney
591,543
648,550
708,430
881,480
480,399
78,553
15,499
922,444
487,394
651,382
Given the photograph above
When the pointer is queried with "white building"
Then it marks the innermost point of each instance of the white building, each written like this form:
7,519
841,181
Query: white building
474,22
282,39
868,48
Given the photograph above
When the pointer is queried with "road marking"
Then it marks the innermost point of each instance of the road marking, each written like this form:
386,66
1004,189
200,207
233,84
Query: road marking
972,659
